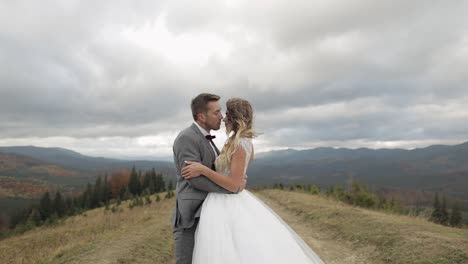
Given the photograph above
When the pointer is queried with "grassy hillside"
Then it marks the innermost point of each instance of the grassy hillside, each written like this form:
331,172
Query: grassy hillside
138,235
339,233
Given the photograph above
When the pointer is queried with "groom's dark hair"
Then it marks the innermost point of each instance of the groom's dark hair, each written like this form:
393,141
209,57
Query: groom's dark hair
200,103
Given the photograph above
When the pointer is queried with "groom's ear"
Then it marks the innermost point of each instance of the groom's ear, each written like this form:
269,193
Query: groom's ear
201,117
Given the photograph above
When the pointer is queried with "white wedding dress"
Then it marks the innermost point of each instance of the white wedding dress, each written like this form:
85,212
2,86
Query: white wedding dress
240,228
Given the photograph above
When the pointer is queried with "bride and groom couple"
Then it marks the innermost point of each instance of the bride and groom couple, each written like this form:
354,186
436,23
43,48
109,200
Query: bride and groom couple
215,219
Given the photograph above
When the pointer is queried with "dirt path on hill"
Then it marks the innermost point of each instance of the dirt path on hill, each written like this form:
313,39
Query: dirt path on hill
331,250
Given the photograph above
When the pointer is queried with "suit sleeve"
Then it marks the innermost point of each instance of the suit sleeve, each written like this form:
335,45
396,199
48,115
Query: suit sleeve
186,149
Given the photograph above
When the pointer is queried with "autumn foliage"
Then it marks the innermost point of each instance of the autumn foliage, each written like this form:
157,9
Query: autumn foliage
118,180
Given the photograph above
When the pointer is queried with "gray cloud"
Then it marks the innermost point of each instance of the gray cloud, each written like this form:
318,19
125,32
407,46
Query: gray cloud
319,73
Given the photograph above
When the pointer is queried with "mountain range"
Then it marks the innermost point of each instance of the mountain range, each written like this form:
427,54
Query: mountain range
437,168
420,172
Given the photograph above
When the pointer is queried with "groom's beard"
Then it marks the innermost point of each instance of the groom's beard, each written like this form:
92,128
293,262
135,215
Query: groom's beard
208,127
218,126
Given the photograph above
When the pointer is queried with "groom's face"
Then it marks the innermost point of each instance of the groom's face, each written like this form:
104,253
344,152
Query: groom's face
213,116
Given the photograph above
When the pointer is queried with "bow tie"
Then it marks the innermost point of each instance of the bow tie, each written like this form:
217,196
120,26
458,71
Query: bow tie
210,137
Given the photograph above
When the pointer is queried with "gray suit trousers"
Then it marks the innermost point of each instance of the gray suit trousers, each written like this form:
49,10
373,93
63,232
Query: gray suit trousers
184,242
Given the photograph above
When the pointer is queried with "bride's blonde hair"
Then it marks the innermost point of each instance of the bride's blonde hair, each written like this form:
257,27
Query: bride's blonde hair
239,120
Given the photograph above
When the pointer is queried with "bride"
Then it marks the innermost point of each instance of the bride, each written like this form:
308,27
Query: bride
240,228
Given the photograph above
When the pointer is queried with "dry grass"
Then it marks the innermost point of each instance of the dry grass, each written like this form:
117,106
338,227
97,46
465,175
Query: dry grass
366,236
138,235
339,233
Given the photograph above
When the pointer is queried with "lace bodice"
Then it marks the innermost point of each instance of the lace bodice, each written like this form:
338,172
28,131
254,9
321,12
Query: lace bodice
246,144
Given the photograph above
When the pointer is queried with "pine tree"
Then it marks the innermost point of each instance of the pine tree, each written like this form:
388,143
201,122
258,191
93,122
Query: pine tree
59,204
152,182
455,216
146,181
444,215
160,185
97,193
88,197
170,187
106,191
436,213
77,204
139,184
134,185
70,206
122,192
127,195
45,206
170,192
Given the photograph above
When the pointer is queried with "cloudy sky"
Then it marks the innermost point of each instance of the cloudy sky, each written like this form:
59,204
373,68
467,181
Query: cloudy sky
115,78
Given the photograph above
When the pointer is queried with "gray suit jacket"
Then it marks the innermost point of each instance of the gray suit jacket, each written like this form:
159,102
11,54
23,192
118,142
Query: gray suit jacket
191,145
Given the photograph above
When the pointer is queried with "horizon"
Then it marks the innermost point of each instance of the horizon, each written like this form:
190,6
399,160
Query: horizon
170,158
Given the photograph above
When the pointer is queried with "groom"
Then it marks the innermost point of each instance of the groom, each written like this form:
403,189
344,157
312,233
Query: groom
195,144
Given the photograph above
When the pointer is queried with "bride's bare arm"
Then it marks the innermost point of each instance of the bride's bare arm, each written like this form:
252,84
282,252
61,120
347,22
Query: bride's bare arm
231,183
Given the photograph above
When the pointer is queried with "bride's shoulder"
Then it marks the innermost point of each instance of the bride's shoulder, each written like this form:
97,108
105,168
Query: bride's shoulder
246,143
